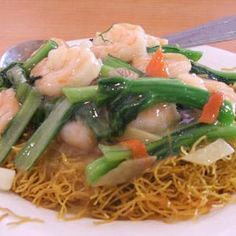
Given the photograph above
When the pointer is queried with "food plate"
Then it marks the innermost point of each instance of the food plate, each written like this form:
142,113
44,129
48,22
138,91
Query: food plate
218,222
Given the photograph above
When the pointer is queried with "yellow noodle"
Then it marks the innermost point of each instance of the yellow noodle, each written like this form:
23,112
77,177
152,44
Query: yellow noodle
19,219
229,68
172,190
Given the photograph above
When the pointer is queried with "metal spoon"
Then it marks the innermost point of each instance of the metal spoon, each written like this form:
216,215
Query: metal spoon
218,30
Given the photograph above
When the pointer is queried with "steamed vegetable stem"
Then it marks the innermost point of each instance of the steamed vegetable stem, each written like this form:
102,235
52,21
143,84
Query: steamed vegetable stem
19,123
75,95
226,77
171,144
162,148
39,55
191,54
41,138
125,98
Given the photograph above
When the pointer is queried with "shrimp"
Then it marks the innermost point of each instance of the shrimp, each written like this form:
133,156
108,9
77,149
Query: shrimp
79,135
66,66
216,86
210,85
176,63
157,119
192,79
124,41
9,106
178,66
153,41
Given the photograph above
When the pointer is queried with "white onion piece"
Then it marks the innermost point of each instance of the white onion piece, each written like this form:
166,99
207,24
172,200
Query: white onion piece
6,178
210,154
126,171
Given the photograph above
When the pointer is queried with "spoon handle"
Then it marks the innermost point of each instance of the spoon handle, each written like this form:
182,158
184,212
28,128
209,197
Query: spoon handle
215,31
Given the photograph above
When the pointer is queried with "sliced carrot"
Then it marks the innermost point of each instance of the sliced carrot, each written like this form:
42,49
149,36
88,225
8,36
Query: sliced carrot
211,109
137,148
157,65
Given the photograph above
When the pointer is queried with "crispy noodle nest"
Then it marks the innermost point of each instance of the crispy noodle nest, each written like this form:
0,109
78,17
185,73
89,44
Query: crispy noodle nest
172,190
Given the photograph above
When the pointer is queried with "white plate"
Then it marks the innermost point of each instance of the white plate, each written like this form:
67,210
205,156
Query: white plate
219,222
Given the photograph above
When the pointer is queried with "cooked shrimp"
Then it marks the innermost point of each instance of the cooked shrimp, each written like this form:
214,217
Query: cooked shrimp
124,41
66,66
79,135
157,119
153,41
210,85
192,79
216,86
9,106
176,63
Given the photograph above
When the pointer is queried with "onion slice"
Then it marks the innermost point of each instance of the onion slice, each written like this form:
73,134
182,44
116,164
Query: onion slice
6,178
210,154
126,171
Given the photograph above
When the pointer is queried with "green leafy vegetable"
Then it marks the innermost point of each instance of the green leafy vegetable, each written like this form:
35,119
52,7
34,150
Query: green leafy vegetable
19,123
75,95
192,55
136,95
39,55
171,144
162,148
41,138
96,118
126,98
226,77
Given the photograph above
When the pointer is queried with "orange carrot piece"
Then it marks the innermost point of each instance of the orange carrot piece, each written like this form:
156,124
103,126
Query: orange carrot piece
211,109
157,66
137,148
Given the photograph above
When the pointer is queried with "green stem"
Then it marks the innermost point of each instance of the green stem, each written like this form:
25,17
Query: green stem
39,55
41,138
192,55
186,137
115,153
166,146
165,90
98,168
106,71
76,95
226,77
19,123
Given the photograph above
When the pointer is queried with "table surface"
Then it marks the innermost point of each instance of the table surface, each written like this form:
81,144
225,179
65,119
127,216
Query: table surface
22,20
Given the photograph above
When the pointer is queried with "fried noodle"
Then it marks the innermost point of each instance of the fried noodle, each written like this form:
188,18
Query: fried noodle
172,190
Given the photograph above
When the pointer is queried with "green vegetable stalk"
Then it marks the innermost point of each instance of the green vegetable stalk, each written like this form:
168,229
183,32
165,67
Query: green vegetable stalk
16,75
126,98
19,123
226,77
39,55
41,138
162,148
97,118
18,72
133,96
192,55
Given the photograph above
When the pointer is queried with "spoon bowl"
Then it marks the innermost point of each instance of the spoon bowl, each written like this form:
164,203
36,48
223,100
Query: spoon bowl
20,52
